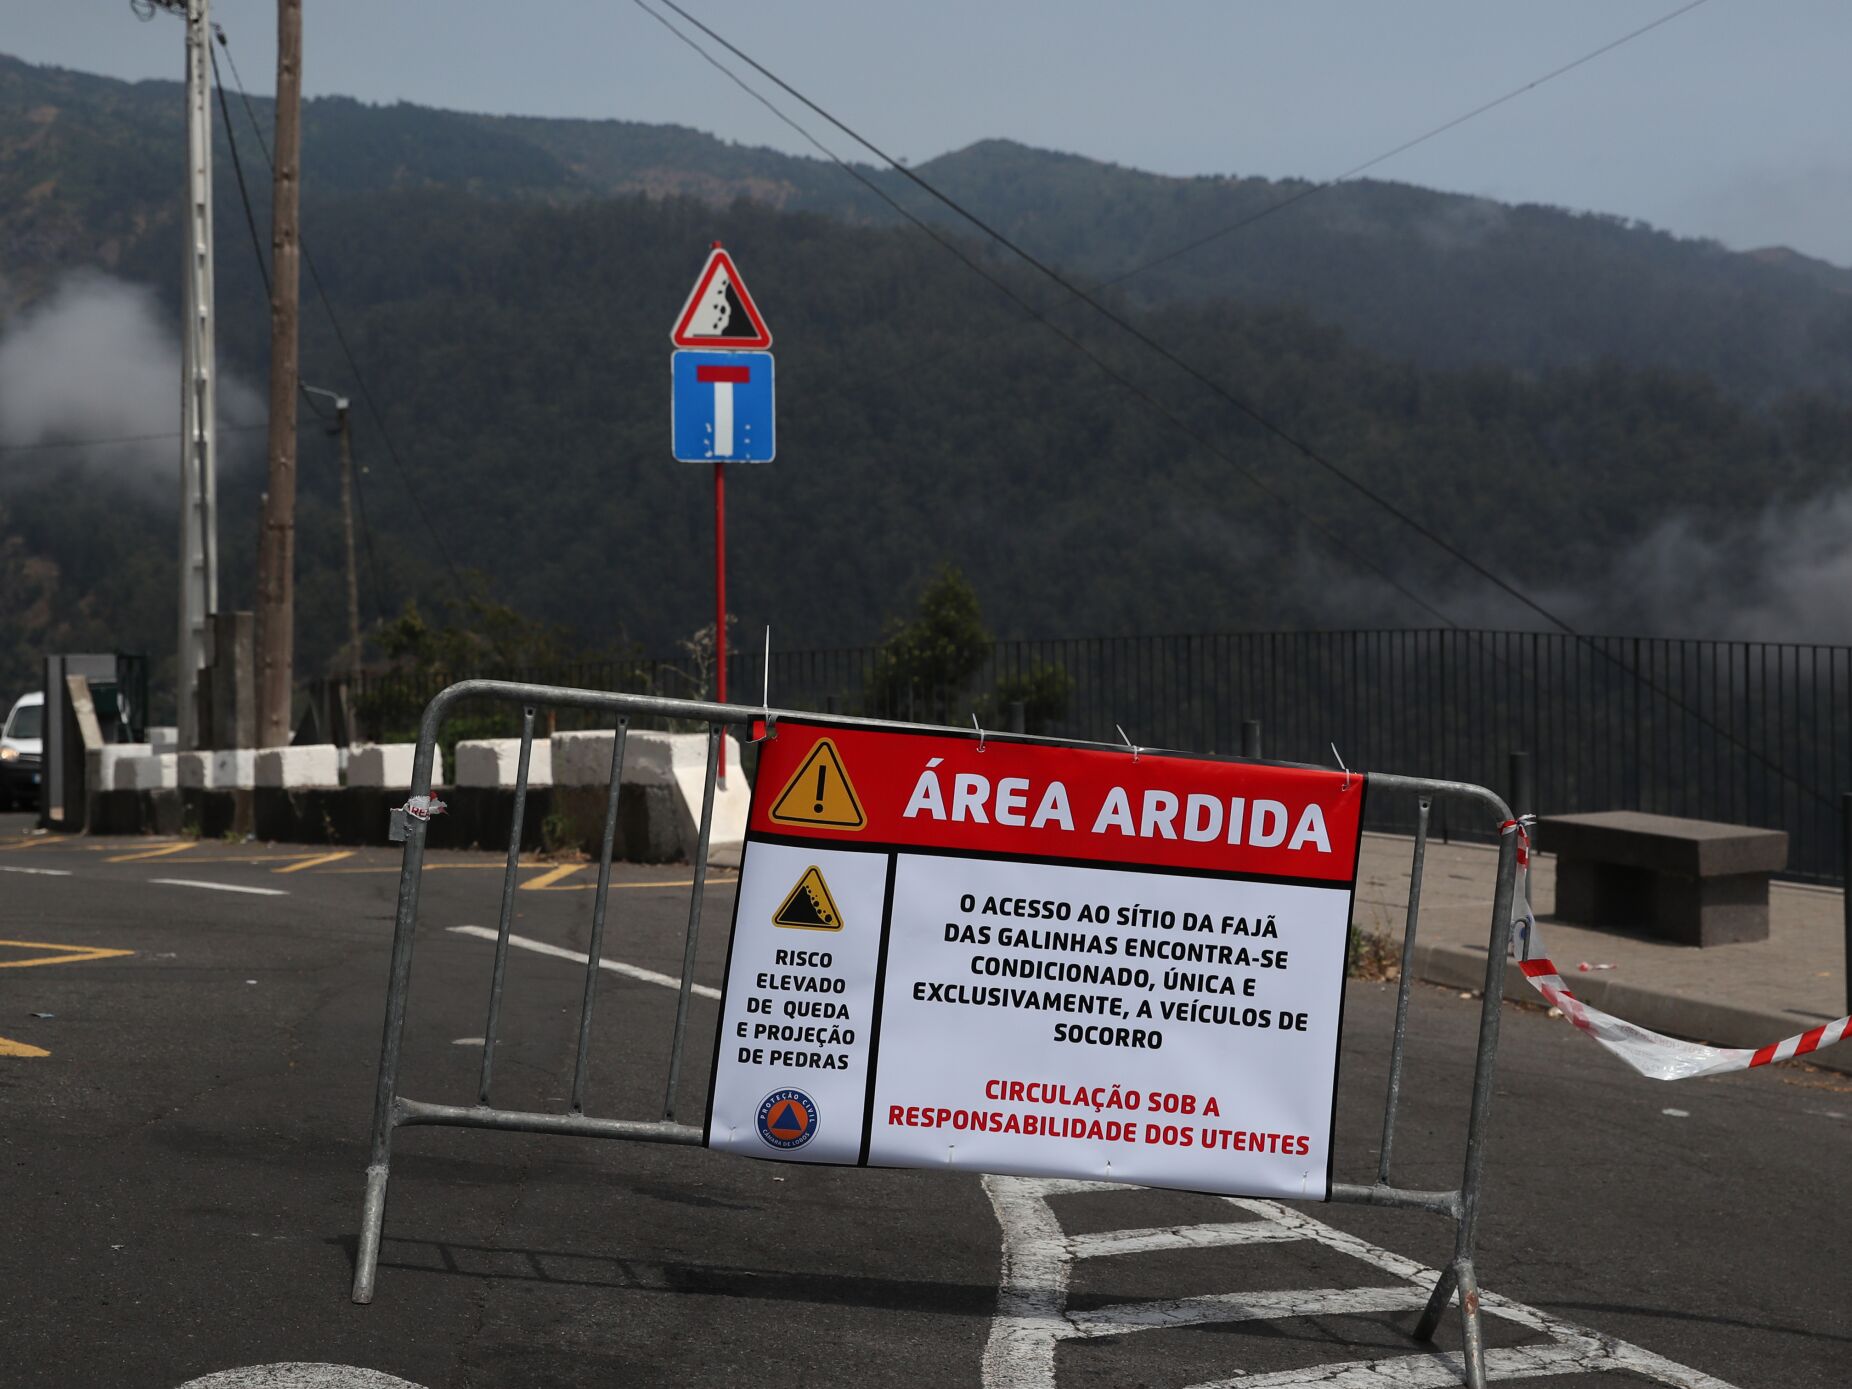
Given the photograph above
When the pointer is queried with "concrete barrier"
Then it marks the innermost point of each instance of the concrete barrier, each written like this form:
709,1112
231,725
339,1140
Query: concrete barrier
299,768
670,771
155,772
389,765
218,769
494,762
103,767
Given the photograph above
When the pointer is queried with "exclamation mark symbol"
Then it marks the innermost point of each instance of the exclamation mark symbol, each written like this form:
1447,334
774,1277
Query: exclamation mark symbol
822,772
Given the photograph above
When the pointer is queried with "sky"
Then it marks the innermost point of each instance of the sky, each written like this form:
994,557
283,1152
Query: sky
1729,122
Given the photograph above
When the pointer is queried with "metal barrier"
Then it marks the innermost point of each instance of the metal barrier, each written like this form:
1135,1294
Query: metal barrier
393,1111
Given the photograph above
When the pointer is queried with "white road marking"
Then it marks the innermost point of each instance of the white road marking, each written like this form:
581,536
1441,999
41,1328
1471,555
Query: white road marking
300,1375
1032,1317
559,952
222,887
40,872
1106,1242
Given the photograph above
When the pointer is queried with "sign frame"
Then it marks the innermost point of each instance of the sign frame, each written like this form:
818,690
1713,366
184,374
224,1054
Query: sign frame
873,842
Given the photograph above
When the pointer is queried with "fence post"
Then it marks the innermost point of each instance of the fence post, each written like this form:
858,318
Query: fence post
1523,794
1250,738
1019,717
1845,883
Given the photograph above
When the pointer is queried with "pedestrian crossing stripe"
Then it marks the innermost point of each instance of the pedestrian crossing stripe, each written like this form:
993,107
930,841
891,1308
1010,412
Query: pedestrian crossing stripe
820,793
810,906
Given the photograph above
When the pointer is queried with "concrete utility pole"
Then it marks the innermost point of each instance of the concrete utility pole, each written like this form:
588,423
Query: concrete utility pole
276,656
199,544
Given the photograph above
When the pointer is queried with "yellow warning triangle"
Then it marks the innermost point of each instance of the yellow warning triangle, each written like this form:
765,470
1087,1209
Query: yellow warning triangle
820,793
810,906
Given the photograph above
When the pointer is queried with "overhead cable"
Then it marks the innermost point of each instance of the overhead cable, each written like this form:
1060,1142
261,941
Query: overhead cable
1138,334
1341,545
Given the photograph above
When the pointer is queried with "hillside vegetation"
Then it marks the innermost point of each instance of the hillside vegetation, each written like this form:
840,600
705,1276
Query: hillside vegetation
508,286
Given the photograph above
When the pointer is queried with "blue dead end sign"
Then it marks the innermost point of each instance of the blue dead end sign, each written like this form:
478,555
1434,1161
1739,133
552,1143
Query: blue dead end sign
721,407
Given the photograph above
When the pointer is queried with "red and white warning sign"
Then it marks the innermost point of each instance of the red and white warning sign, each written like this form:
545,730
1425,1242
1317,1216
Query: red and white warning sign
720,314
1038,959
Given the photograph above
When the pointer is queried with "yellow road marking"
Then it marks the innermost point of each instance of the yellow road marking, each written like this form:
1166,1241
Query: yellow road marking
620,887
545,881
254,858
301,864
163,852
63,954
8,1047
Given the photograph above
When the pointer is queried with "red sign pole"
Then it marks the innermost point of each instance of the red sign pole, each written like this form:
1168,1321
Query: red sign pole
720,600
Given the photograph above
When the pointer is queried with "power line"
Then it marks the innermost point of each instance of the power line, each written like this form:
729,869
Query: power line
118,439
1406,145
340,335
1140,336
1313,189
1144,338
1337,542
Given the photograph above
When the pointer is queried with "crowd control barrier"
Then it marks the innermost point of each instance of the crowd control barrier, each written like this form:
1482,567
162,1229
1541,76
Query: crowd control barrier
394,1110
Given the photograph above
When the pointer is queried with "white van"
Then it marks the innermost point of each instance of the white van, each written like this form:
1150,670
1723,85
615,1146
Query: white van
22,749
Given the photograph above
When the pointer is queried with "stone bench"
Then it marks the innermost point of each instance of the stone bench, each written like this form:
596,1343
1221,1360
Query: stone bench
1695,882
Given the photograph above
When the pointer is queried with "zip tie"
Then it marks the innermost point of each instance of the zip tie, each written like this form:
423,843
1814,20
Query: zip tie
980,731
1127,741
1340,757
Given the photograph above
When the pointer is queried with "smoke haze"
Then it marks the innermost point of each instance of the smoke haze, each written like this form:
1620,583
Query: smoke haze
97,359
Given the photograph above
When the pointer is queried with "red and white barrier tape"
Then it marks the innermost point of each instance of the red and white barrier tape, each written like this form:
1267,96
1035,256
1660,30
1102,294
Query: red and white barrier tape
1652,1054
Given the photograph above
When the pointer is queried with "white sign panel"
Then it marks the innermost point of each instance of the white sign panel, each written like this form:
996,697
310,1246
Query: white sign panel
1037,959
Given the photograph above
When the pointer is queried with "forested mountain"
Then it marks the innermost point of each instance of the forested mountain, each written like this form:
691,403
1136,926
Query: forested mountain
87,168
512,317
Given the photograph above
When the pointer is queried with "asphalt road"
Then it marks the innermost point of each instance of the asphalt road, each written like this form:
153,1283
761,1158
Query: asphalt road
184,1170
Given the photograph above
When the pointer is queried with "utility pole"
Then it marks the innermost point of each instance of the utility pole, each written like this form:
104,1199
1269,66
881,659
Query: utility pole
199,558
276,656
347,527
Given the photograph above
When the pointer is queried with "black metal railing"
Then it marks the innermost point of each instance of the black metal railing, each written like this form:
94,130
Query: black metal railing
1754,733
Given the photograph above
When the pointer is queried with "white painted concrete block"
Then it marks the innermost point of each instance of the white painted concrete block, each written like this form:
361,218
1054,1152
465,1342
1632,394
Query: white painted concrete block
299,768
155,772
389,765
164,738
103,767
494,762
581,759
218,769
675,760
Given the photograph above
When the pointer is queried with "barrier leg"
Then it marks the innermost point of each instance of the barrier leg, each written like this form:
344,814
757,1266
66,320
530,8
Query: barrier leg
398,985
1473,1334
372,1225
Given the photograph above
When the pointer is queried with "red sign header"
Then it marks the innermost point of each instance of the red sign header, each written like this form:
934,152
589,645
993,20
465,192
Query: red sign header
1036,800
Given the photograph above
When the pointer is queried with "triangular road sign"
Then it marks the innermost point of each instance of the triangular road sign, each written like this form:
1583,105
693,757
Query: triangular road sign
810,906
820,793
720,313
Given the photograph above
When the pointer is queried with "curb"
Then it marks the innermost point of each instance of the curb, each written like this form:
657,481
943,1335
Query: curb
1693,1019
